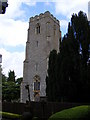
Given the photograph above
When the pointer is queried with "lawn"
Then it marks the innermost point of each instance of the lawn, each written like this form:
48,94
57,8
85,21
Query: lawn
13,116
77,113
10,115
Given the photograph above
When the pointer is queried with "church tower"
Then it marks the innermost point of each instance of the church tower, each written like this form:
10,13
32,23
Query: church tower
43,37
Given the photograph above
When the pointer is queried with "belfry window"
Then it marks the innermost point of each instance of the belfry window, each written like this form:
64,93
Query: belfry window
48,26
37,29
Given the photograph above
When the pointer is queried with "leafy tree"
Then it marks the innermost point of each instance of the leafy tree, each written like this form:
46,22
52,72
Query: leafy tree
10,91
19,80
11,76
81,29
10,87
51,78
69,70
4,78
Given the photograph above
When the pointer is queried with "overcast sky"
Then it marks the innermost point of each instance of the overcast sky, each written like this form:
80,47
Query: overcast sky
14,25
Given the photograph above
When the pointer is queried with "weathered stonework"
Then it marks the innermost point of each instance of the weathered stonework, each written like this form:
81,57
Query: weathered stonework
43,37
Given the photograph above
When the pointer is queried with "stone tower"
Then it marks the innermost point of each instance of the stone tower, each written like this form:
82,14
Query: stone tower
43,37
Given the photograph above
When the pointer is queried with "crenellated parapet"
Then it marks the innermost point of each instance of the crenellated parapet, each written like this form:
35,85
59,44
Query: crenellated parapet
44,15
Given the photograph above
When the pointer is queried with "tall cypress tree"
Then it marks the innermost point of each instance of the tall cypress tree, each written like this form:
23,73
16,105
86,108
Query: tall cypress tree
51,78
81,29
69,72
68,66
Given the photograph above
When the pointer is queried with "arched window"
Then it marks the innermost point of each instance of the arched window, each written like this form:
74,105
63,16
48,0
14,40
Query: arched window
48,29
37,28
54,29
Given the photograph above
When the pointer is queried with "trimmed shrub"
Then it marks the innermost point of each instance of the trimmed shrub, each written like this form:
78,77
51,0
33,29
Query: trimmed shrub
77,113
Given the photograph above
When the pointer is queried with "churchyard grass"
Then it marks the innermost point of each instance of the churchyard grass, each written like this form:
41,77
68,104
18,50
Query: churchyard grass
77,113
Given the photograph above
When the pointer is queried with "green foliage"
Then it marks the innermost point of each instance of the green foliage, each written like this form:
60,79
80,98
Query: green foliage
68,66
79,112
10,87
69,71
10,91
51,78
19,80
81,29
11,76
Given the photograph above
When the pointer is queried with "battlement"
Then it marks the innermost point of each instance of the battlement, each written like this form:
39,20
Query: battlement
43,15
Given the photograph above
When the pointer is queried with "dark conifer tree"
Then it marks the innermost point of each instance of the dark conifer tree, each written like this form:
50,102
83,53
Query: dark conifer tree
81,29
51,78
69,72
